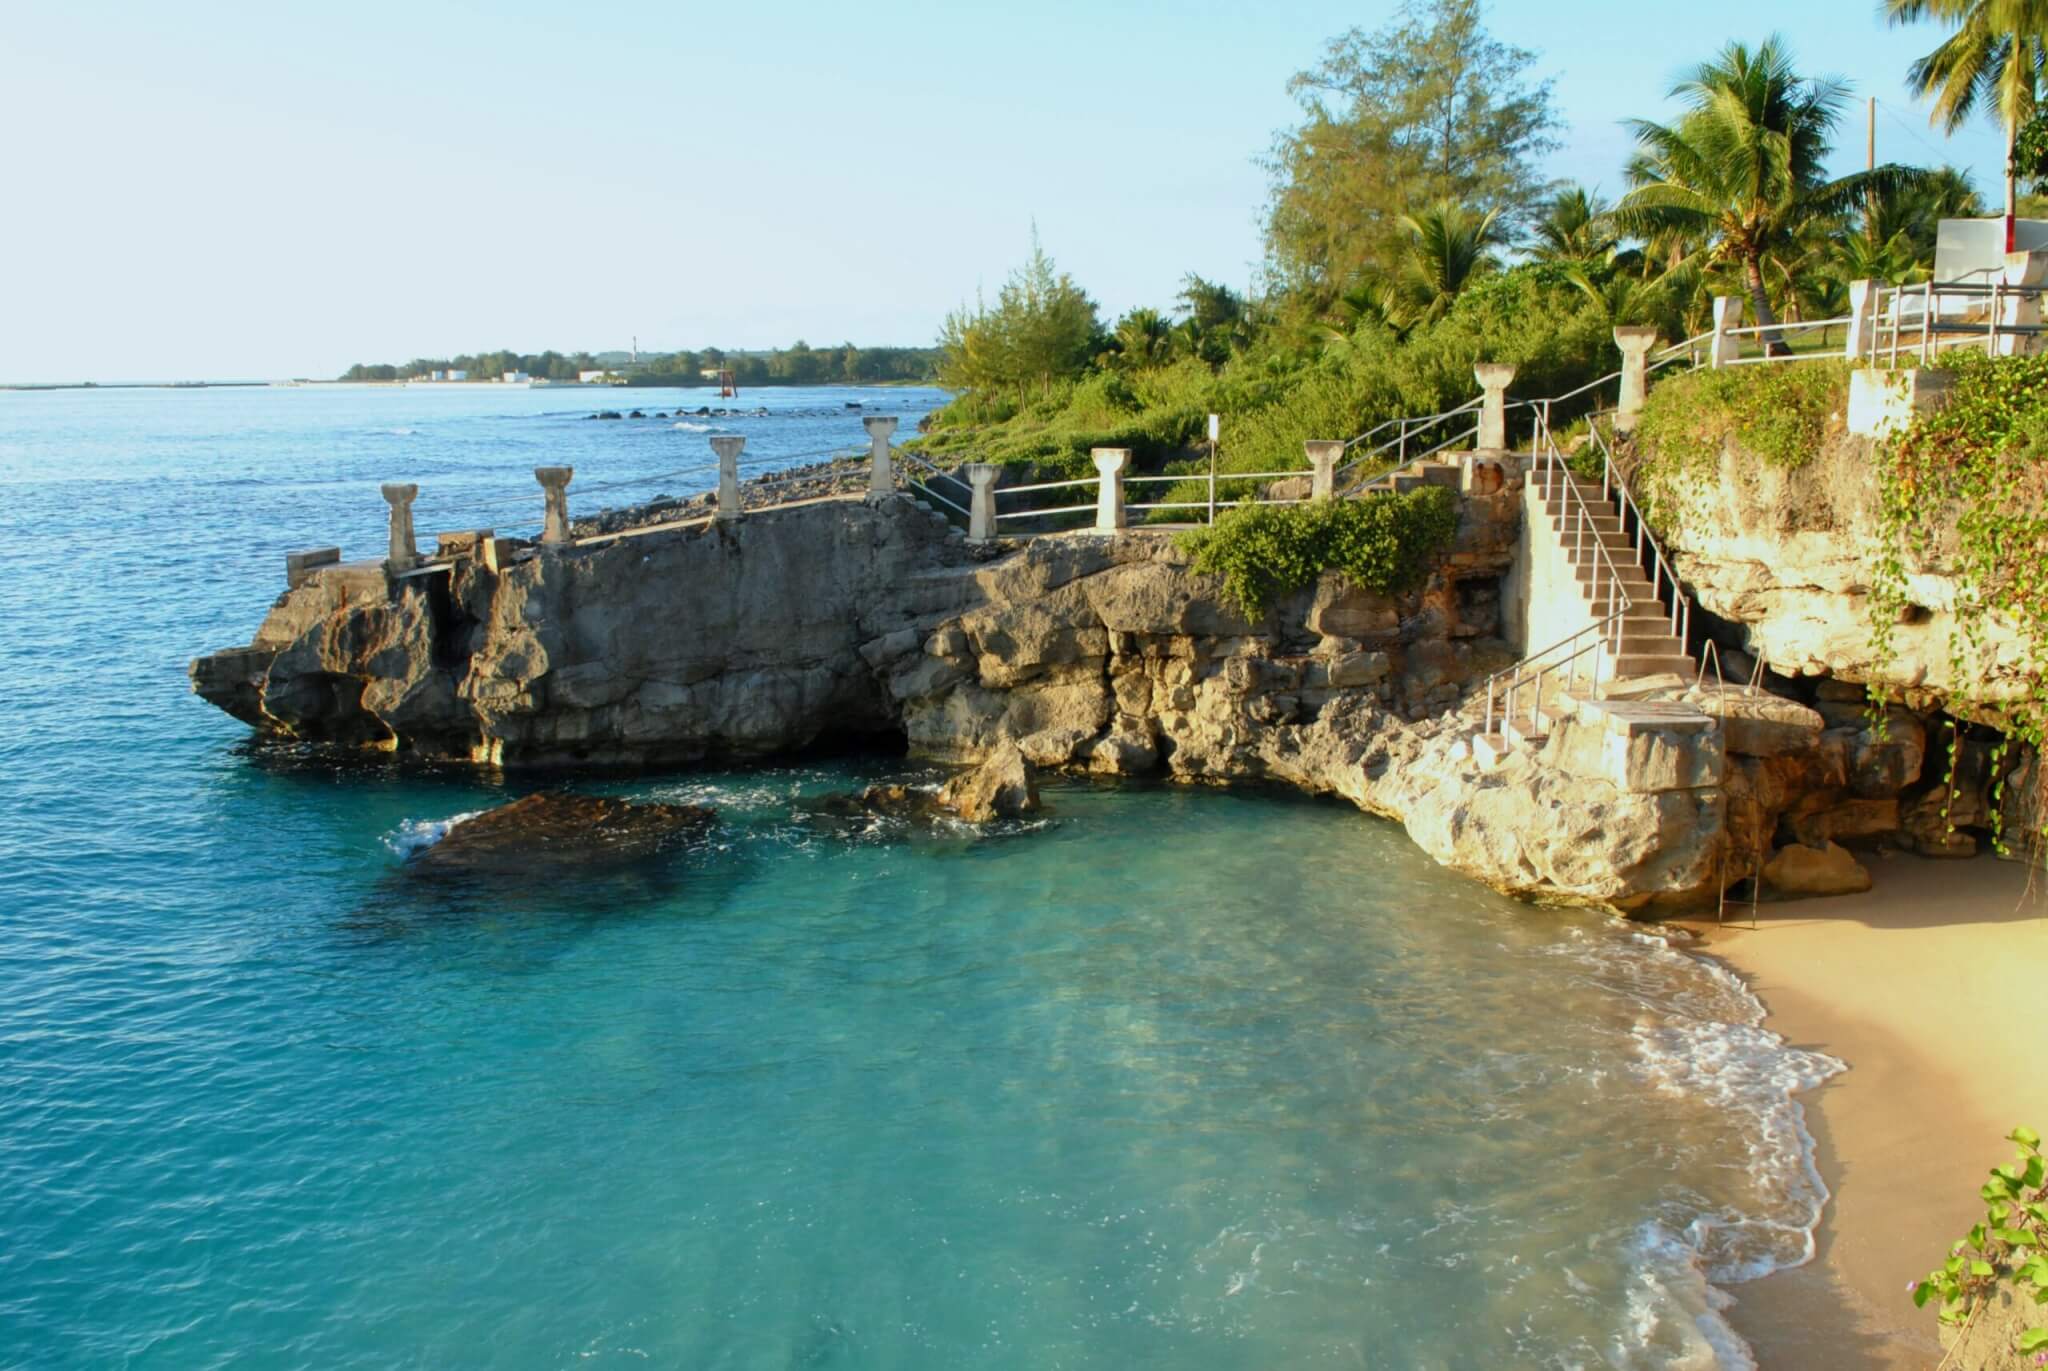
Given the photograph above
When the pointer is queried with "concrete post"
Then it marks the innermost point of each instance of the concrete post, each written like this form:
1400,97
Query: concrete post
1109,489
2021,269
1635,343
1862,321
728,446
1322,466
554,482
1493,378
405,551
881,480
981,505
1727,315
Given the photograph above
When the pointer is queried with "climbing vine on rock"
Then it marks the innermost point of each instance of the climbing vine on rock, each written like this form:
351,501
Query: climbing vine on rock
1381,542
1965,488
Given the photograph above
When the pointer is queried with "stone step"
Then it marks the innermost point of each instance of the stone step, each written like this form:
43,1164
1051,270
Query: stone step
1448,474
1649,664
1402,482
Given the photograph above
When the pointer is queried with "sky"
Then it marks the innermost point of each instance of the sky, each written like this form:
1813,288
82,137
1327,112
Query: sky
222,190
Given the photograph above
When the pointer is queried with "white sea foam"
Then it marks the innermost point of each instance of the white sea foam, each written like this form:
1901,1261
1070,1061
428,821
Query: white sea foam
415,836
686,426
1707,1041
401,432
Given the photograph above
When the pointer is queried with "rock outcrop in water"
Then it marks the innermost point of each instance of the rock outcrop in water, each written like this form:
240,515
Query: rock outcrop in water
551,831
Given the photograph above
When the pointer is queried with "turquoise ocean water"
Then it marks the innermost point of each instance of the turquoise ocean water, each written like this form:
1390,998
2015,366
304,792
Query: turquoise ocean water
1166,1078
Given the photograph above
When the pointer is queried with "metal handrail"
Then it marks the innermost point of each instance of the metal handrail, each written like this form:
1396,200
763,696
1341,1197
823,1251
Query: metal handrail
1613,482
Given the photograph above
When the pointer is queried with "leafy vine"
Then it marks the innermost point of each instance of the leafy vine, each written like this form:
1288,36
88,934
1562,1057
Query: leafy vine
1965,487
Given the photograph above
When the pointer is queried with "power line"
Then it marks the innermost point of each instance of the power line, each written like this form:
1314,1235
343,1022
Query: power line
1908,130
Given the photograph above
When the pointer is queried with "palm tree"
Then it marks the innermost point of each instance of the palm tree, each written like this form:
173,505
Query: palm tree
1993,61
1143,338
1574,228
1449,247
1740,174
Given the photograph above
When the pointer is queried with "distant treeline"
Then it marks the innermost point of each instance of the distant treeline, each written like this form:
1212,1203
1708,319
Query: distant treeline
799,364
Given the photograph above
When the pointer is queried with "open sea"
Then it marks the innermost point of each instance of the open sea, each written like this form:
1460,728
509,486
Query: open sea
1163,1078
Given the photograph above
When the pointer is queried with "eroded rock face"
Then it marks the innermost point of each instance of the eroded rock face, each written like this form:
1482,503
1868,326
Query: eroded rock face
765,634
553,831
1789,554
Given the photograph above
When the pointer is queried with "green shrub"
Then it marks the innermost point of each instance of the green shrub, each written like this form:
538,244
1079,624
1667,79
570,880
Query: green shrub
1381,543
2010,1245
1777,411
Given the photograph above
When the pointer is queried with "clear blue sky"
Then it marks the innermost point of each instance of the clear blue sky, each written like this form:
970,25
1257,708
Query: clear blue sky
227,189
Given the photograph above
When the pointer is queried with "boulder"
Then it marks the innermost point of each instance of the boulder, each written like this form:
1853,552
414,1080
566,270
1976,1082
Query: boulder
1829,870
554,829
1933,822
1000,788
1760,725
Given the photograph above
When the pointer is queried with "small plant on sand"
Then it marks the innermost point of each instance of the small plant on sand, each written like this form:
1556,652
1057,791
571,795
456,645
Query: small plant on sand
1381,543
2010,1246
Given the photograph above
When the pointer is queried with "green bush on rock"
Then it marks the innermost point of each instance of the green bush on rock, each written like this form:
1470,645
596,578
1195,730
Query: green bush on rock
1381,543
1780,413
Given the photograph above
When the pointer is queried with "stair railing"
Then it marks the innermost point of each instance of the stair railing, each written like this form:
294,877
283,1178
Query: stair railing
1581,540
1614,486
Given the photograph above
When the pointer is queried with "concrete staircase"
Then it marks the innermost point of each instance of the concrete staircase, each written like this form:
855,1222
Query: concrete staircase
1641,643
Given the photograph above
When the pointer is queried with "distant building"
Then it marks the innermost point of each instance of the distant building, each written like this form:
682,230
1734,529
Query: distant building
458,376
708,373
594,378
516,378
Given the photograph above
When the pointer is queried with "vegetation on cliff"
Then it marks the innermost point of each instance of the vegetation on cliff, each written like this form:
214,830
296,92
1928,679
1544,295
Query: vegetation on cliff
1778,414
1382,543
1410,233
1966,485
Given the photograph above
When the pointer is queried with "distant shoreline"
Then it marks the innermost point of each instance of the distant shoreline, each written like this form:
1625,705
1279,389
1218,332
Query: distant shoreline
296,382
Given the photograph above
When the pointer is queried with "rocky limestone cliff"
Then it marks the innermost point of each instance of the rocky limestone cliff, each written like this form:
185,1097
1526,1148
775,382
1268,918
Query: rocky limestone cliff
1789,553
1785,556
1107,654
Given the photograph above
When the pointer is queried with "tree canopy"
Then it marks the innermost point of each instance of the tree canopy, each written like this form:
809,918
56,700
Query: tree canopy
1430,108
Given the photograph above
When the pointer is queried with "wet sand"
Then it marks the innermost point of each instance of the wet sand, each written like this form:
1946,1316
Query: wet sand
1927,986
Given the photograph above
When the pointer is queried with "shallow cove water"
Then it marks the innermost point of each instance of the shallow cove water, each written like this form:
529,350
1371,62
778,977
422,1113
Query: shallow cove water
1166,1078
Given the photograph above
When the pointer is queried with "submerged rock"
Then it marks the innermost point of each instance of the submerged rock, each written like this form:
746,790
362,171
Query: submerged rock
552,829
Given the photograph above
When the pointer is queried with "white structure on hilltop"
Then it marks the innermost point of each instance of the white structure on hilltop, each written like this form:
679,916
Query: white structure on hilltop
515,378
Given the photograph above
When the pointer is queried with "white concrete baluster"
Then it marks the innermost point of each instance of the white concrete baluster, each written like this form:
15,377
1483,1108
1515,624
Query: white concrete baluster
1109,486
1727,315
1635,344
405,552
1863,300
554,484
981,505
881,476
1493,378
1322,465
728,447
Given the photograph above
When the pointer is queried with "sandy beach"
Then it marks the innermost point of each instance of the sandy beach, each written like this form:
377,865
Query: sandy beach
1902,983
